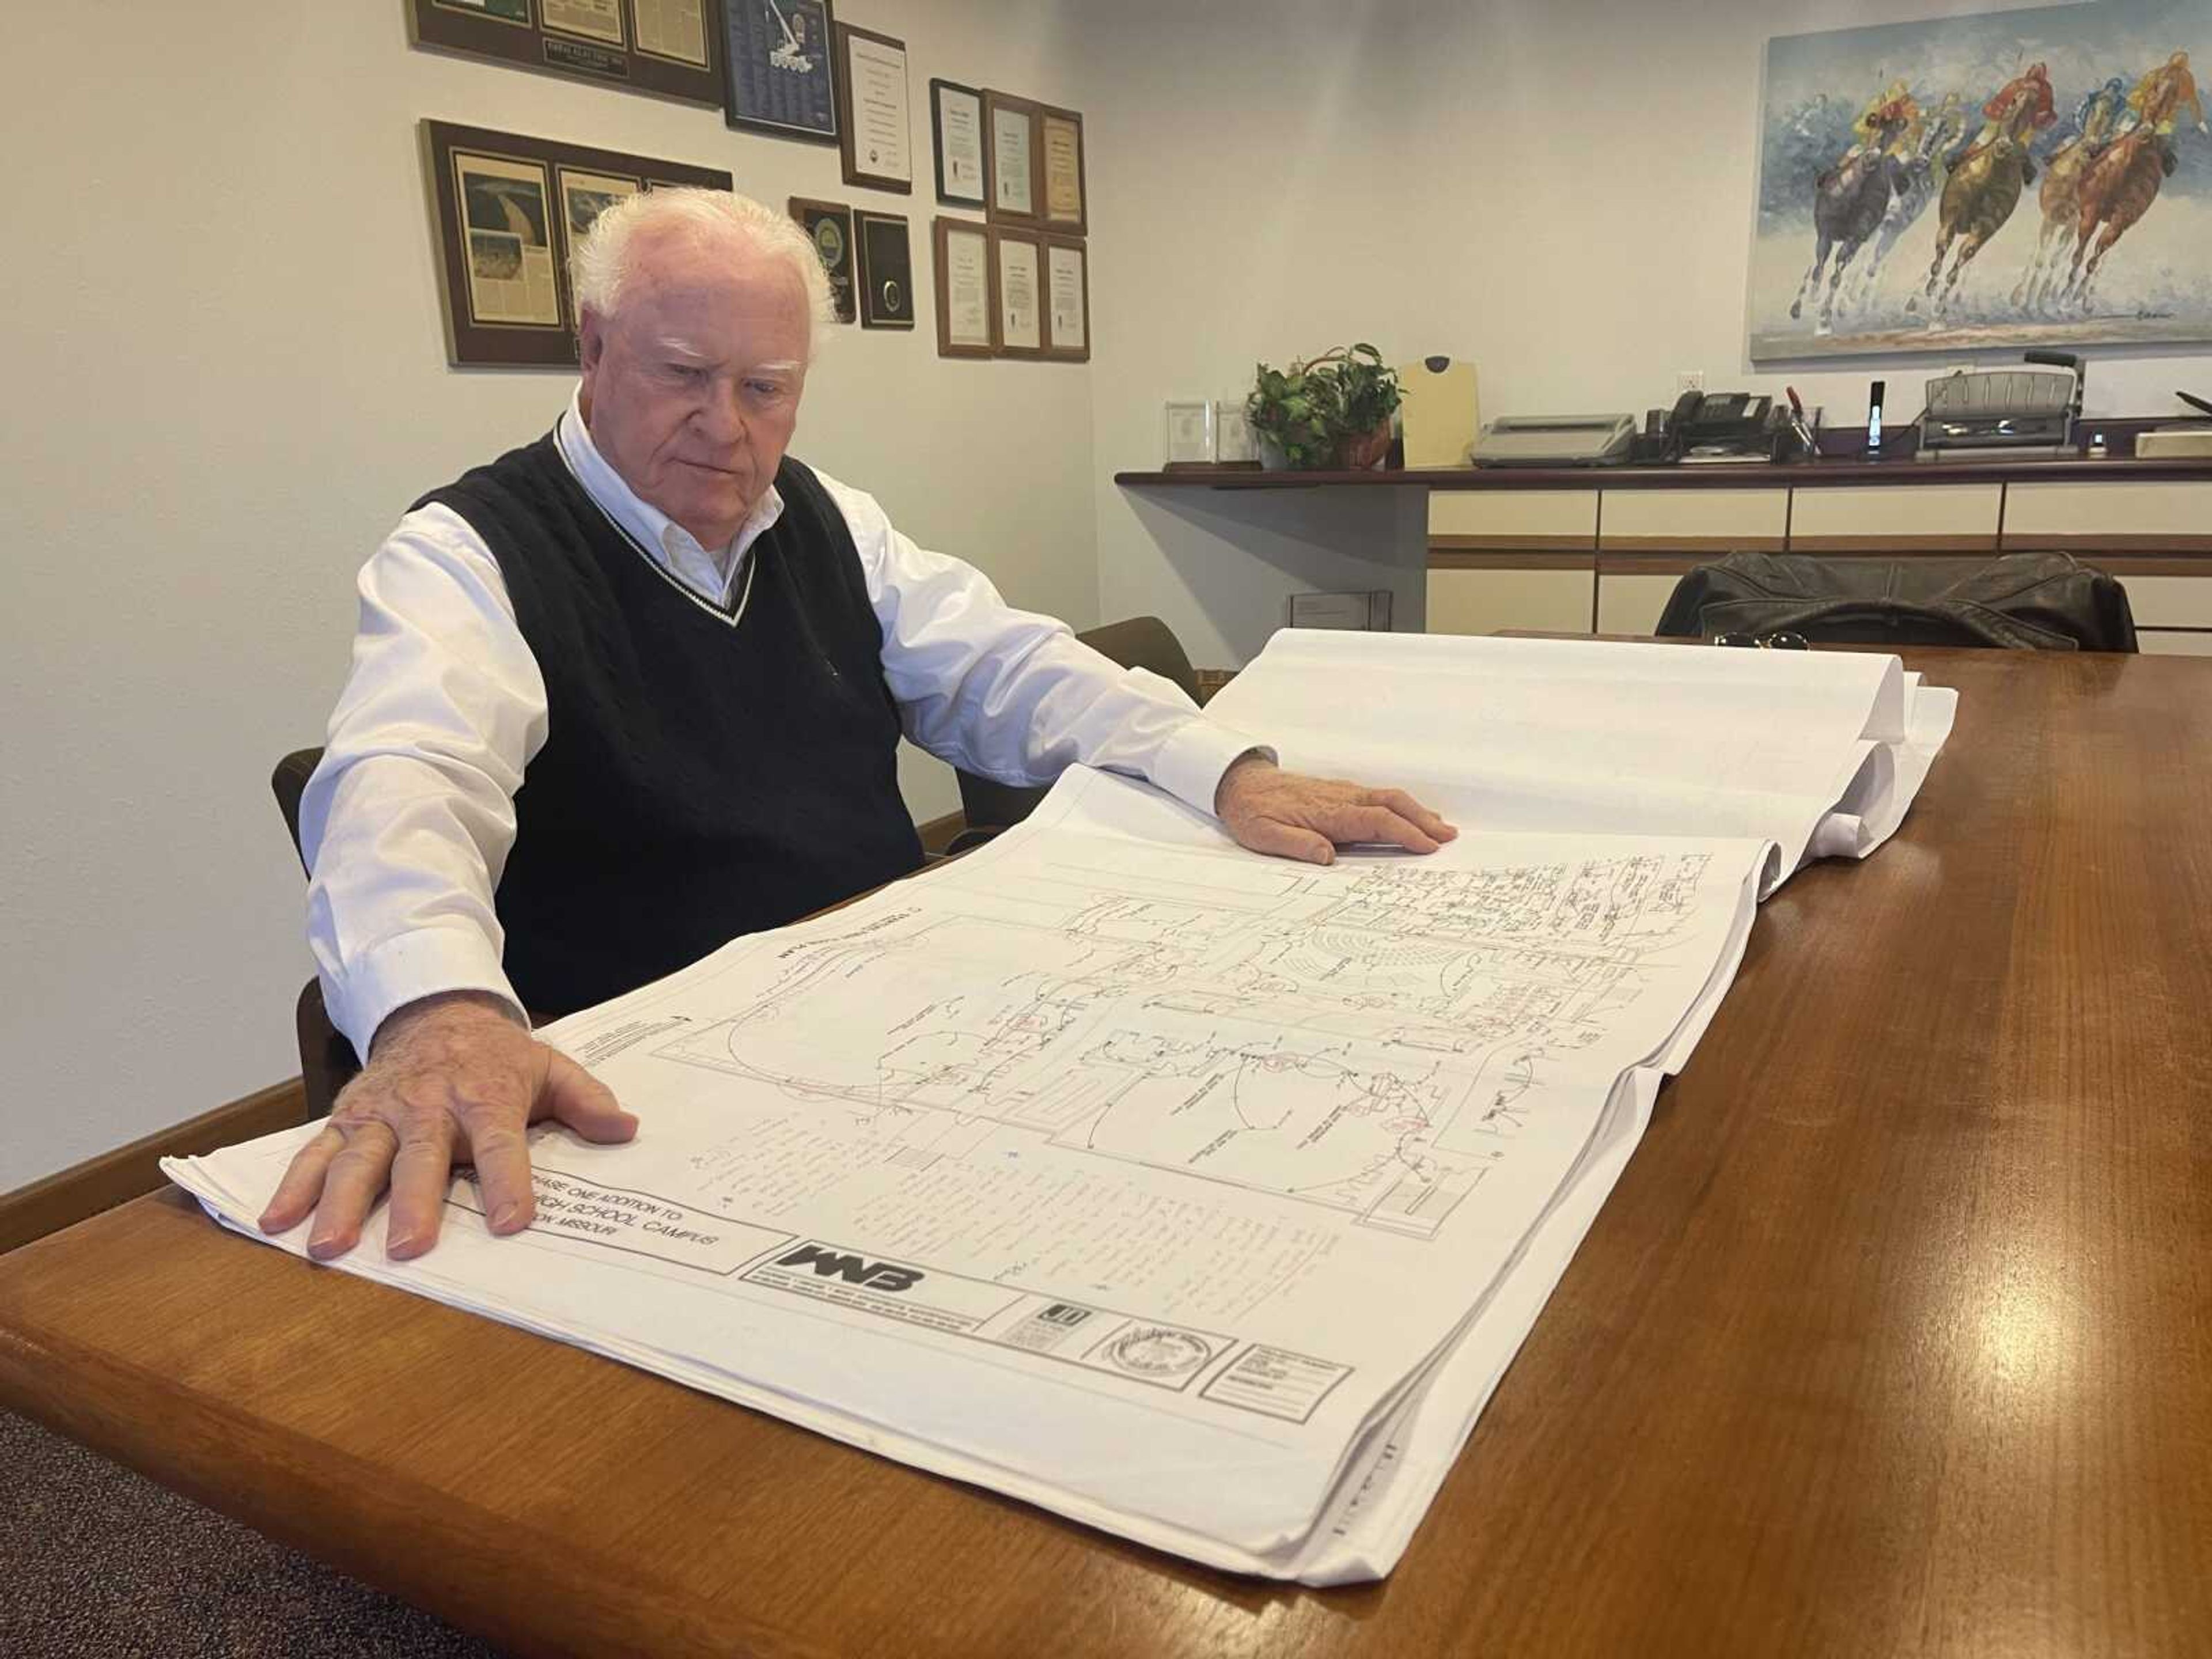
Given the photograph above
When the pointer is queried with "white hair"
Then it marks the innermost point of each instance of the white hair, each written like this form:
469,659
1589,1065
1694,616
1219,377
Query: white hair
605,261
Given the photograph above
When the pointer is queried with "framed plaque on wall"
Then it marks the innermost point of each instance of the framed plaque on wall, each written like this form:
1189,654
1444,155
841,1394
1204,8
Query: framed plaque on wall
668,47
963,288
782,76
1010,159
509,210
886,269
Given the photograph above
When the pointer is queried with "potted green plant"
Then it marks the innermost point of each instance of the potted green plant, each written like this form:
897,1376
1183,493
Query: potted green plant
1332,410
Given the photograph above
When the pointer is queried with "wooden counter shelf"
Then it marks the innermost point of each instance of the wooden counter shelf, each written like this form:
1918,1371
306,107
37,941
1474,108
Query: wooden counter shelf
1796,475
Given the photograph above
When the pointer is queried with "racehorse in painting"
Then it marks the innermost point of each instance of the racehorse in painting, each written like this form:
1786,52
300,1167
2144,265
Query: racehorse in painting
1849,202
2061,201
1978,197
1914,183
2116,191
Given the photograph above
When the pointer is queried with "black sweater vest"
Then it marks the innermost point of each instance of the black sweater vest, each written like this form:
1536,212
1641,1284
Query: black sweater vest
700,778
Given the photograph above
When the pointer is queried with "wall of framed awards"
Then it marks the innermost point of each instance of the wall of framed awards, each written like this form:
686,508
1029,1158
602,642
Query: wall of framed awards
1013,283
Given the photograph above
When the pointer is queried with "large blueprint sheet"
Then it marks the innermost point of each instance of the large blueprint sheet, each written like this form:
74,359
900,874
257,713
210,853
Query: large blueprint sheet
1166,1186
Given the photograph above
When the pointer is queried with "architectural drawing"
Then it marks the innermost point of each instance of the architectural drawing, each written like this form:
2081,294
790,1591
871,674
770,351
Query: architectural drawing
1371,1044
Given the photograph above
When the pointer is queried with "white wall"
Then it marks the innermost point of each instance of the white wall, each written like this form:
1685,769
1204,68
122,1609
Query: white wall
228,379
1561,191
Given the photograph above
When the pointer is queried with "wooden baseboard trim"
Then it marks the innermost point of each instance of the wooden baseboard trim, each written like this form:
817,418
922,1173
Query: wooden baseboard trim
68,1196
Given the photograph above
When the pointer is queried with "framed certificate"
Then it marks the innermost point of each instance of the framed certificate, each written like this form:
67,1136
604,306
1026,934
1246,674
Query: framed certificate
1010,159
1059,170
509,211
963,288
664,46
956,128
1017,292
886,269
781,79
829,226
1067,300
873,122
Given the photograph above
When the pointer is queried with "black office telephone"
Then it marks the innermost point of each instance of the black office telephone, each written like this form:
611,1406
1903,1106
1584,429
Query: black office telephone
1725,425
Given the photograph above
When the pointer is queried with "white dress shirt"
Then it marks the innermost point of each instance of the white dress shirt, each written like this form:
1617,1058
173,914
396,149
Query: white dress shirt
407,822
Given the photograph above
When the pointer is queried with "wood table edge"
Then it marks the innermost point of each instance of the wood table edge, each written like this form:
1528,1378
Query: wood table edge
265,1477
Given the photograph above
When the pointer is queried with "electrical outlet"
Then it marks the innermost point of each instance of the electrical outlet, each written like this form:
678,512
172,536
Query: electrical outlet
1689,379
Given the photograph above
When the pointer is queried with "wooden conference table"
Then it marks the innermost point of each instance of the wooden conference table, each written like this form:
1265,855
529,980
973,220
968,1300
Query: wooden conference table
1896,1336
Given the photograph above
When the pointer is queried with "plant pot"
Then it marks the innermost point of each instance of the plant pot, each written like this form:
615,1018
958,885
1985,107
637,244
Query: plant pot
1272,458
1365,451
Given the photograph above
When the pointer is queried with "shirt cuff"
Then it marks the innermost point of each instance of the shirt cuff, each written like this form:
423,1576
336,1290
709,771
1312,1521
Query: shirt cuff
1191,762
408,967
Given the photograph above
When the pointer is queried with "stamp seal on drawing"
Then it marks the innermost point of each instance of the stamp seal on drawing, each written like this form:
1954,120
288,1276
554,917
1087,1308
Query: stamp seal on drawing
1158,1351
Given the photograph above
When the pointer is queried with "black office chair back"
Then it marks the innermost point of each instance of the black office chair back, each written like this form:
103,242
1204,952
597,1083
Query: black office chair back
1144,642
289,782
2019,601
326,1059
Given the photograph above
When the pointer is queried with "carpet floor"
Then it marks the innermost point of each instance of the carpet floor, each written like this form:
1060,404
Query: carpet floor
96,1560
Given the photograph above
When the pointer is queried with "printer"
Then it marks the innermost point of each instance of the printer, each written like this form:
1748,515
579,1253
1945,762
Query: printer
1554,441
2010,411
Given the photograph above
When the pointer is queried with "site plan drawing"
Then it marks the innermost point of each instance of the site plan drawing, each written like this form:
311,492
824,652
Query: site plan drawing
1113,1135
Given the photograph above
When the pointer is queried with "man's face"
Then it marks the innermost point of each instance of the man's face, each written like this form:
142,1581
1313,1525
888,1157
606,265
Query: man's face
691,391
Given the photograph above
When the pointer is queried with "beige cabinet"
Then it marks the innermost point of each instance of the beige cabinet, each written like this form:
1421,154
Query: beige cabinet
1714,521
2150,518
2183,644
1514,521
1504,558
1896,518
1486,601
1631,603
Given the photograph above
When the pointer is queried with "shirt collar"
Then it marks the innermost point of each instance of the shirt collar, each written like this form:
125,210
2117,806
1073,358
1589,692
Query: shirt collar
668,542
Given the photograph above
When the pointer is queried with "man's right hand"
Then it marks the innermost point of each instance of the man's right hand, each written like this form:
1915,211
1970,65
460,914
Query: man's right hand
450,1080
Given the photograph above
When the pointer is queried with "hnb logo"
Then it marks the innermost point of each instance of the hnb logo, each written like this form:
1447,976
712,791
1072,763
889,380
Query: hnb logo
852,1269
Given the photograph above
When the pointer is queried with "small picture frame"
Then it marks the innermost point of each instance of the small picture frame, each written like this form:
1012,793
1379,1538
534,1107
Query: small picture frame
1014,189
956,129
1067,299
963,288
1017,292
885,266
829,226
782,77
875,125
1188,433
1063,198
1235,443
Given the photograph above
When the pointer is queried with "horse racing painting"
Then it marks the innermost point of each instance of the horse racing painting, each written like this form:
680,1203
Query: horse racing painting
2040,177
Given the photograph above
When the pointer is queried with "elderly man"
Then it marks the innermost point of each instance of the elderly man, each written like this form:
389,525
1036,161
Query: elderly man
636,690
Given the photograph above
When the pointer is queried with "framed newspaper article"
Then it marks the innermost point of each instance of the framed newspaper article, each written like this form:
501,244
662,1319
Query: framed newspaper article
509,210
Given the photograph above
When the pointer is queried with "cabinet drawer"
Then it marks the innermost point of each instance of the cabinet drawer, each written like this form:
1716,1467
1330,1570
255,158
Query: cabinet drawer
2178,644
1694,521
2170,601
1632,605
1507,520
1902,519
1484,601
2114,517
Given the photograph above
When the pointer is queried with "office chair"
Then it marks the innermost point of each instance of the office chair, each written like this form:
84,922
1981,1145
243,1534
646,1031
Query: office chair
1144,642
2019,601
326,1059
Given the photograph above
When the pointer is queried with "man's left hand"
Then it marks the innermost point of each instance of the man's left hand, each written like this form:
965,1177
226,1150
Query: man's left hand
1272,810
